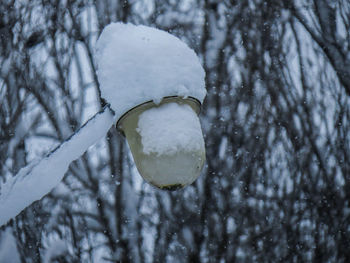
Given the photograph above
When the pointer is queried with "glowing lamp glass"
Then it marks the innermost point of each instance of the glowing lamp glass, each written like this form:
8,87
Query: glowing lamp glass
169,153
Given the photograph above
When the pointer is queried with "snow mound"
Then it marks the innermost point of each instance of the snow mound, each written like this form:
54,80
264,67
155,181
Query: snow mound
138,64
169,129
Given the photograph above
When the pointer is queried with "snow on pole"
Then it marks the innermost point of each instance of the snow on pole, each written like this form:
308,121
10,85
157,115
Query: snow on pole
37,179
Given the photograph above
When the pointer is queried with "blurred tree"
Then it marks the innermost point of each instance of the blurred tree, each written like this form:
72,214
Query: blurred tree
276,187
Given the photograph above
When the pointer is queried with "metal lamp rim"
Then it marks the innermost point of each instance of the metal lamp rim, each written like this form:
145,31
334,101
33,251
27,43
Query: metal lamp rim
150,104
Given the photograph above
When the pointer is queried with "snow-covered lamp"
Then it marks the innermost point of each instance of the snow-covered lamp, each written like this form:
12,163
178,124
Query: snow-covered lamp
155,85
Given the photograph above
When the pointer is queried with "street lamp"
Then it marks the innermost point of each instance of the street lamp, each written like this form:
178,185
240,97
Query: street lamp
155,85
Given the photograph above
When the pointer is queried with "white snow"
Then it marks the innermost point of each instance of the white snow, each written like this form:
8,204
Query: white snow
138,64
39,178
169,129
56,248
8,248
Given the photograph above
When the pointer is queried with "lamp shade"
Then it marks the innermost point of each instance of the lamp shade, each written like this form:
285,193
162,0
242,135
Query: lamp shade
166,141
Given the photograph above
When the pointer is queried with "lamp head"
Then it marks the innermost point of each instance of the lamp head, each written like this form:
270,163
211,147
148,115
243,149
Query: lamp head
166,141
155,85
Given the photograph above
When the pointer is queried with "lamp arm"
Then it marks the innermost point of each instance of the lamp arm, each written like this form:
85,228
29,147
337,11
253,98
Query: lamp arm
38,178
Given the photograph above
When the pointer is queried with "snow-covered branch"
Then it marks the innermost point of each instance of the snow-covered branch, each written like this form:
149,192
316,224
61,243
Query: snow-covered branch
328,38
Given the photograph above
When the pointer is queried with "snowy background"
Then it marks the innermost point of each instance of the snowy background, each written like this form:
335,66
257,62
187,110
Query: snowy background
276,186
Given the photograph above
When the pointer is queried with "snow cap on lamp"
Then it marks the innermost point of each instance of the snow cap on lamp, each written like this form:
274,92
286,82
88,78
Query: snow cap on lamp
137,64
